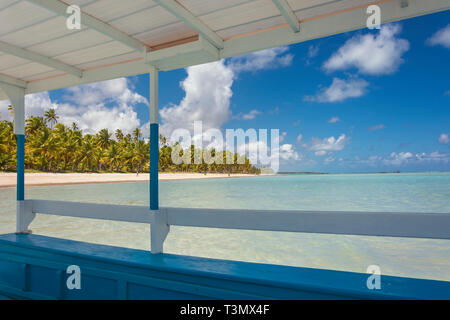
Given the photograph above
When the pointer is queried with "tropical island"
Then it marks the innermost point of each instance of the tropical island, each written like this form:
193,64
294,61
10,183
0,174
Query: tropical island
57,148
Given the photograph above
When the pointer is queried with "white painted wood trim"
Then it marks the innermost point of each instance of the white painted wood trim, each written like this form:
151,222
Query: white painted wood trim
24,216
388,224
16,96
343,22
188,18
12,81
140,214
38,58
89,21
288,14
154,94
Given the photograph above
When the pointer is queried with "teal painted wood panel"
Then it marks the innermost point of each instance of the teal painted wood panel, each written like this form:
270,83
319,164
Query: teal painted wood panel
34,267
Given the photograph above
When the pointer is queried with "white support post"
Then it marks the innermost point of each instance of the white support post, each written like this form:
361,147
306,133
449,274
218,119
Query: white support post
159,227
24,214
159,231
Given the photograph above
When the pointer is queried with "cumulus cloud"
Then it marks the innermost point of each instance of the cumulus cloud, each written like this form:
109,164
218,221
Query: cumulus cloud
207,97
373,54
327,144
118,91
441,37
340,90
208,90
377,127
35,105
260,153
444,138
108,104
287,152
334,120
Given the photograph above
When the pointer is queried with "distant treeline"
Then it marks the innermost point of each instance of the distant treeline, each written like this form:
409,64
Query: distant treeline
53,147
286,172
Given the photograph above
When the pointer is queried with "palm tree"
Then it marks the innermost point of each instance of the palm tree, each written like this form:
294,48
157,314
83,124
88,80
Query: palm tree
103,138
66,148
33,124
137,134
140,154
51,117
119,135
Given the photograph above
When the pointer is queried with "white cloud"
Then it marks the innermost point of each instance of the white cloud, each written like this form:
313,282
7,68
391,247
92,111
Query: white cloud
340,90
327,144
87,106
96,117
35,105
329,160
208,90
299,138
259,153
334,120
266,59
320,153
248,116
207,98
313,51
403,158
377,127
441,37
444,138
287,152
374,54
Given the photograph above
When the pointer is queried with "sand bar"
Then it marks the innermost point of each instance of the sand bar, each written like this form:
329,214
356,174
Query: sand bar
8,179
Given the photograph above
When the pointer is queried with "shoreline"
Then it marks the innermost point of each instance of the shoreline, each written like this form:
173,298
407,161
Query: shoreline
8,179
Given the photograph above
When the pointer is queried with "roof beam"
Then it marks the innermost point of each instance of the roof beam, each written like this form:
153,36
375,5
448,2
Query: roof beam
38,58
188,18
288,14
12,81
89,21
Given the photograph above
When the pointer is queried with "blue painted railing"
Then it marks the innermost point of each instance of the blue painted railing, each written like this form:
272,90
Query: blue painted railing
34,267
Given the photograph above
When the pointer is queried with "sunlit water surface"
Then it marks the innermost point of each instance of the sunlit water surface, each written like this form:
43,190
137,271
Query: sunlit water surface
420,258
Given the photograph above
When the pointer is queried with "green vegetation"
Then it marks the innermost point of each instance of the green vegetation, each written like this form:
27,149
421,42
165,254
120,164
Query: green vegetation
53,147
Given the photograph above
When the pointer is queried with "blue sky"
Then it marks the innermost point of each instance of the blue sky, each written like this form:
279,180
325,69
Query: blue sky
363,101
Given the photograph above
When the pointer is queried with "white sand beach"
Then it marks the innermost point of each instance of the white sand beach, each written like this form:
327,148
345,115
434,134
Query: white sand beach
8,179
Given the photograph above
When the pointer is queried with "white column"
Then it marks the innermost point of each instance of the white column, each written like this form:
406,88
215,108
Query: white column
159,226
24,214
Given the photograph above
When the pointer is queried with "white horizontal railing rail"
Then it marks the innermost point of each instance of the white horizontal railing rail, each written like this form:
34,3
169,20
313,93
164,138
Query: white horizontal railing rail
388,224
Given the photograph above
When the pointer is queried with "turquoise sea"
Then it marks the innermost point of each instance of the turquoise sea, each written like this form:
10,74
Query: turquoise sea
414,192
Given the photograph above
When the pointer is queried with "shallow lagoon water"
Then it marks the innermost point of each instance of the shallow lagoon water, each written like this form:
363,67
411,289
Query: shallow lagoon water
421,192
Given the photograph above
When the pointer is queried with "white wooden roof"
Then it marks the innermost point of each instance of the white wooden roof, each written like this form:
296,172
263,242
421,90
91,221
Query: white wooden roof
121,38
